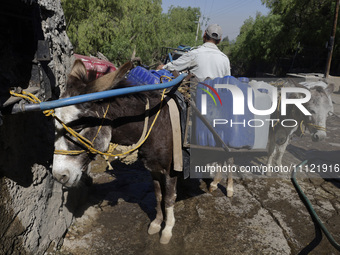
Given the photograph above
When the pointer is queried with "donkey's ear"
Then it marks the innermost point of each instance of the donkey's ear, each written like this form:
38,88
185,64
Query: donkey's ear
329,90
122,70
109,80
78,70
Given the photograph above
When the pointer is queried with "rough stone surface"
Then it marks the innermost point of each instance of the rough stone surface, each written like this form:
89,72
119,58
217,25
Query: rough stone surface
54,28
35,212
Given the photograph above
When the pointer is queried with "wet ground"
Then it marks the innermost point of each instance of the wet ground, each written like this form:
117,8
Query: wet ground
265,215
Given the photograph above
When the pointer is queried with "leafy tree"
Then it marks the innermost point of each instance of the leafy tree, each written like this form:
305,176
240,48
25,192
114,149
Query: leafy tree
256,44
117,28
293,34
224,44
181,26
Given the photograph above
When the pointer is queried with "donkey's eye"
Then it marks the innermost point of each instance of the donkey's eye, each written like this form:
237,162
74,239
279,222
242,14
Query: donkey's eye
312,112
78,130
76,127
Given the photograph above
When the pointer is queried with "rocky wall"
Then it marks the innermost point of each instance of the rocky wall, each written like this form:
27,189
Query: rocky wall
35,211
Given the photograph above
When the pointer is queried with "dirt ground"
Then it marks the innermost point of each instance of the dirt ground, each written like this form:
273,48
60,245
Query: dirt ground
265,215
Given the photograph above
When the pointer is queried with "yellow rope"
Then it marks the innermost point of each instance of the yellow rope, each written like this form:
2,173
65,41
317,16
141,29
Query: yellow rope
112,147
100,127
147,135
302,129
76,135
32,98
22,96
317,127
84,141
164,76
109,154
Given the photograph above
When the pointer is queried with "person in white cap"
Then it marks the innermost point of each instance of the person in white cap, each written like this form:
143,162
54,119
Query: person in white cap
207,61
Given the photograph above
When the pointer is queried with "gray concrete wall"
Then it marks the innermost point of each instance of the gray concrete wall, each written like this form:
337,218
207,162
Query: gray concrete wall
35,211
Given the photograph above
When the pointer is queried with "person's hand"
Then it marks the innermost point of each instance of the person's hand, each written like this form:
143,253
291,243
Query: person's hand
160,67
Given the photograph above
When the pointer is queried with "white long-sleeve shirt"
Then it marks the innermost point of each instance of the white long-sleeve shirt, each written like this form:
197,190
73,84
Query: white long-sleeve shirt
207,61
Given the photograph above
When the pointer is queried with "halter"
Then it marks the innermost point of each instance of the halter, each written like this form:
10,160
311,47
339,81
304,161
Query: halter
317,127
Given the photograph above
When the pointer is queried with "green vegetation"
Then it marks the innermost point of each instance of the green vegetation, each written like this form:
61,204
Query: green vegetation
292,37
116,28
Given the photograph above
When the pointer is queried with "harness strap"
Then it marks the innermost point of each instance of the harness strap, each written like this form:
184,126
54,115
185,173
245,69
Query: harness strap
146,122
113,146
176,135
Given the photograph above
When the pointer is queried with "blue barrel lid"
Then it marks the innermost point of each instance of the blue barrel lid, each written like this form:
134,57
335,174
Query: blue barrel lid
243,79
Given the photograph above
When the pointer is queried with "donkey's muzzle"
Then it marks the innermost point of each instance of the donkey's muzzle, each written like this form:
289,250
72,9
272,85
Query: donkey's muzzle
63,177
318,136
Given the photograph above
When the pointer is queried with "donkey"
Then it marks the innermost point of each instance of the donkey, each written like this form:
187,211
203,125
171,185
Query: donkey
122,124
320,106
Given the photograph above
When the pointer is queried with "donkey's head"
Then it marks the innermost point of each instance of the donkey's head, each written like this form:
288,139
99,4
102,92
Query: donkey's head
72,158
320,106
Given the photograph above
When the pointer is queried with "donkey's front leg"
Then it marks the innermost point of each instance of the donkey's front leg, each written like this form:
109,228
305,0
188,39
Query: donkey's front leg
155,225
230,184
283,146
217,179
170,199
281,150
272,150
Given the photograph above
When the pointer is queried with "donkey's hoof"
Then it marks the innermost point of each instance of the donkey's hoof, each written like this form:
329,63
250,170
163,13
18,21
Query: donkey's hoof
165,239
154,228
212,187
230,192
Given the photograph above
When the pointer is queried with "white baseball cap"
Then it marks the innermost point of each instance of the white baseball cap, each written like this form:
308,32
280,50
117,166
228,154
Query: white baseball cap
214,31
